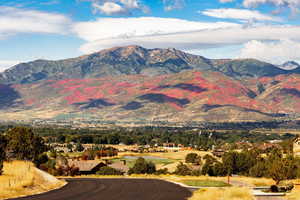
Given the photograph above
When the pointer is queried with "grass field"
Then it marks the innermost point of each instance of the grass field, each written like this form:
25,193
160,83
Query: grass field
180,155
130,161
205,183
231,193
294,195
21,178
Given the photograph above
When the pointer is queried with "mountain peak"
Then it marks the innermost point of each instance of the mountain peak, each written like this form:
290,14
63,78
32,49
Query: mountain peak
134,59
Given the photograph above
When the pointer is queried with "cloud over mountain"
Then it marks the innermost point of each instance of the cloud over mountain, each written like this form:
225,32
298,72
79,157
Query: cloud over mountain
17,20
240,14
276,52
5,64
154,32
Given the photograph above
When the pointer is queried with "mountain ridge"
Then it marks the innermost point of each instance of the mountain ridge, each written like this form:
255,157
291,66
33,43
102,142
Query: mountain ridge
137,84
134,60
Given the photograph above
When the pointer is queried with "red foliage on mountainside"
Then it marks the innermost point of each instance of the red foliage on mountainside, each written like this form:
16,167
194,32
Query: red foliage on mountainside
282,93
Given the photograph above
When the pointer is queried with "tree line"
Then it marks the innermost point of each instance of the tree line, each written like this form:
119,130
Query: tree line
201,138
22,144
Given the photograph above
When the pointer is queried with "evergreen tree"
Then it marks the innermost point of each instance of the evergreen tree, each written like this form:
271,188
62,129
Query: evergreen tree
141,166
23,144
3,143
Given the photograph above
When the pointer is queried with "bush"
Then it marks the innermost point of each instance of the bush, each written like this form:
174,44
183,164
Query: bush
41,159
193,158
161,171
183,170
196,173
79,147
109,171
3,143
219,169
141,166
24,144
274,188
259,170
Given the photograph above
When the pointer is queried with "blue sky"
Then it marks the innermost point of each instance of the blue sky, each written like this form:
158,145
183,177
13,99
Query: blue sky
268,30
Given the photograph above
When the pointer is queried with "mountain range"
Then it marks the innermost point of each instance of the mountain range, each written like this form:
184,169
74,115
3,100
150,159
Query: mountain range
136,84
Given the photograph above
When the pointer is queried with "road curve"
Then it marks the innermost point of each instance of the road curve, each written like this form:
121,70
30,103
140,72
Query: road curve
115,189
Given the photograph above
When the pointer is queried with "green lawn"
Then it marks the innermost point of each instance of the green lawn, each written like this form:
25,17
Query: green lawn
205,183
130,162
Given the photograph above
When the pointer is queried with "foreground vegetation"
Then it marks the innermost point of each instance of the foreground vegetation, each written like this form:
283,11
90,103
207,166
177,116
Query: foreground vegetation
21,178
193,167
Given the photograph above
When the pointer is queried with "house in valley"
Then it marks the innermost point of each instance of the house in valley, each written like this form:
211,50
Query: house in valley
87,166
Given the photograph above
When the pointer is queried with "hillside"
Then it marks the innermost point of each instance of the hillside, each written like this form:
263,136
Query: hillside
136,84
132,60
21,178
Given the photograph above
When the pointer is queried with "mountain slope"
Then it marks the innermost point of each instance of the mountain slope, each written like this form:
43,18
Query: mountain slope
249,68
186,96
137,84
131,60
110,62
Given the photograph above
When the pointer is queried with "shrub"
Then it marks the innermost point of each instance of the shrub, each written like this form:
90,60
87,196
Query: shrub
109,171
259,170
196,173
193,158
183,170
141,166
3,143
161,171
274,188
219,169
24,144
79,147
41,159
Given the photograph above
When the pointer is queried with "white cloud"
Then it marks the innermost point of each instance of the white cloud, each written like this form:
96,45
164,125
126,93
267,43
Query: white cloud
155,32
173,4
130,3
276,52
5,64
126,28
241,14
291,4
110,8
117,7
16,20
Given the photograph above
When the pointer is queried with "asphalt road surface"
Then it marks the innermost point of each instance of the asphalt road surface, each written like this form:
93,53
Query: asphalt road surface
115,189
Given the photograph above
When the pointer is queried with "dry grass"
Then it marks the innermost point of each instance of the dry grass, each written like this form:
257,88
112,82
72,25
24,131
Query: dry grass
21,178
254,181
294,195
232,193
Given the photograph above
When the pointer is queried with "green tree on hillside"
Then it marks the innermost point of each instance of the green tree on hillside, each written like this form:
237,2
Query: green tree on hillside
79,147
183,170
193,158
277,170
23,144
3,143
141,166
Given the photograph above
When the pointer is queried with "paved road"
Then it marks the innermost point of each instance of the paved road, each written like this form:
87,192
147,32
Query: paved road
115,189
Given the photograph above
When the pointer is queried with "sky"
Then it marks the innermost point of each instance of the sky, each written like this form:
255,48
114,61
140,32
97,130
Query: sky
268,30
